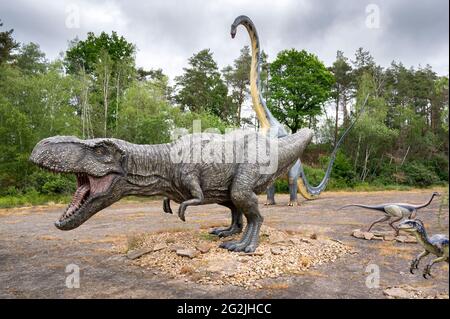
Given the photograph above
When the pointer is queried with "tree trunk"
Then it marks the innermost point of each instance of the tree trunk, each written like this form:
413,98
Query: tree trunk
105,98
366,160
117,100
357,152
336,124
344,109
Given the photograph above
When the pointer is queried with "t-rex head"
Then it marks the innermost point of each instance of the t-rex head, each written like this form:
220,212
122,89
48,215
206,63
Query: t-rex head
100,168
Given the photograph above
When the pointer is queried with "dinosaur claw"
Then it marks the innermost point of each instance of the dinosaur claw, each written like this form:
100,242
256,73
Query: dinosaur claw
250,249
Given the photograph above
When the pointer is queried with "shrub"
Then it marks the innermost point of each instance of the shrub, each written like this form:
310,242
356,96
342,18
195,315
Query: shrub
48,183
417,174
342,172
281,185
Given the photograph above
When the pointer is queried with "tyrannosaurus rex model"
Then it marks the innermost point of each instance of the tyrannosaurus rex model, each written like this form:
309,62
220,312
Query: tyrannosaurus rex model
110,169
296,175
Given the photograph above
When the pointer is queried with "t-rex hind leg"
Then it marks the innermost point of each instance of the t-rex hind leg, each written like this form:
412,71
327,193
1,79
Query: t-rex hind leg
246,201
236,223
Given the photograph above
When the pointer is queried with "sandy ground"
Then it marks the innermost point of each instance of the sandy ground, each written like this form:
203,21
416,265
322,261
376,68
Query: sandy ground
34,254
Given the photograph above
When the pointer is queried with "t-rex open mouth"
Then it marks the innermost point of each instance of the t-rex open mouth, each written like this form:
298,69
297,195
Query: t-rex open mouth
88,187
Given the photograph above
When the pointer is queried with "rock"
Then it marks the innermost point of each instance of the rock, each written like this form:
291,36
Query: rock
389,237
368,236
406,239
251,254
276,250
381,233
159,247
223,266
377,238
398,293
191,253
358,234
313,236
203,248
277,237
284,242
134,254
176,247
410,240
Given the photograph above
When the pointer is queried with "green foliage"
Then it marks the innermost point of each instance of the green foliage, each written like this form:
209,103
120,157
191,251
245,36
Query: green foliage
237,78
201,88
419,174
7,45
31,59
299,86
85,54
400,141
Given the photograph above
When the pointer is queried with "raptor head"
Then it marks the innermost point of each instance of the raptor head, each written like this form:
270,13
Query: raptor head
99,166
411,225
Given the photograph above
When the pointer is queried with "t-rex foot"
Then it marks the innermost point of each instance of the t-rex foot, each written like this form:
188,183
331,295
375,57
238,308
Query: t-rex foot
248,242
226,232
293,203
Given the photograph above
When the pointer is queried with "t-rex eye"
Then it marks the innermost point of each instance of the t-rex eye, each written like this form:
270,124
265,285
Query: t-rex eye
100,151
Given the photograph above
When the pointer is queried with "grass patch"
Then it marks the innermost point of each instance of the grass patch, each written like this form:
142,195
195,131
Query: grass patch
32,199
135,241
207,236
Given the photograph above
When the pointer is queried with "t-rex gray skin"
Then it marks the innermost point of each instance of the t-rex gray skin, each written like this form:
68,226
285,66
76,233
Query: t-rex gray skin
436,245
296,175
397,211
110,169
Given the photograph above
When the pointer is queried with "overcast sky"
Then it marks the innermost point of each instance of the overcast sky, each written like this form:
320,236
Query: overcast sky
167,32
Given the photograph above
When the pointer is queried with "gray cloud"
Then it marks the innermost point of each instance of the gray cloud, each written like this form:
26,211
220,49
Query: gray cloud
168,32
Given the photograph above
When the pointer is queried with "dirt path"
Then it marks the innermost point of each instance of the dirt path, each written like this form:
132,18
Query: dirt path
34,254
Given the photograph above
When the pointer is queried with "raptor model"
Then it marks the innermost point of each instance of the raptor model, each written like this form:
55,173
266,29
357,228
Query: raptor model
436,245
109,169
394,211
296,175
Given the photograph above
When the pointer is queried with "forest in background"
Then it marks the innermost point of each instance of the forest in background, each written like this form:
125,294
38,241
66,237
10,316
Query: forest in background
95,89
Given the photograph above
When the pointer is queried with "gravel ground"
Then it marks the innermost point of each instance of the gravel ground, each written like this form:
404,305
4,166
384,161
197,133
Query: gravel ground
34,255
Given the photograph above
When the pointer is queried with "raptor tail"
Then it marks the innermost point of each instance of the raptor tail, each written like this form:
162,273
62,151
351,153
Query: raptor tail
376,207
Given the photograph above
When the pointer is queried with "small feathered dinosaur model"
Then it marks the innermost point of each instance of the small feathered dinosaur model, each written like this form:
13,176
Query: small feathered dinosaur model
436,245
394,212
